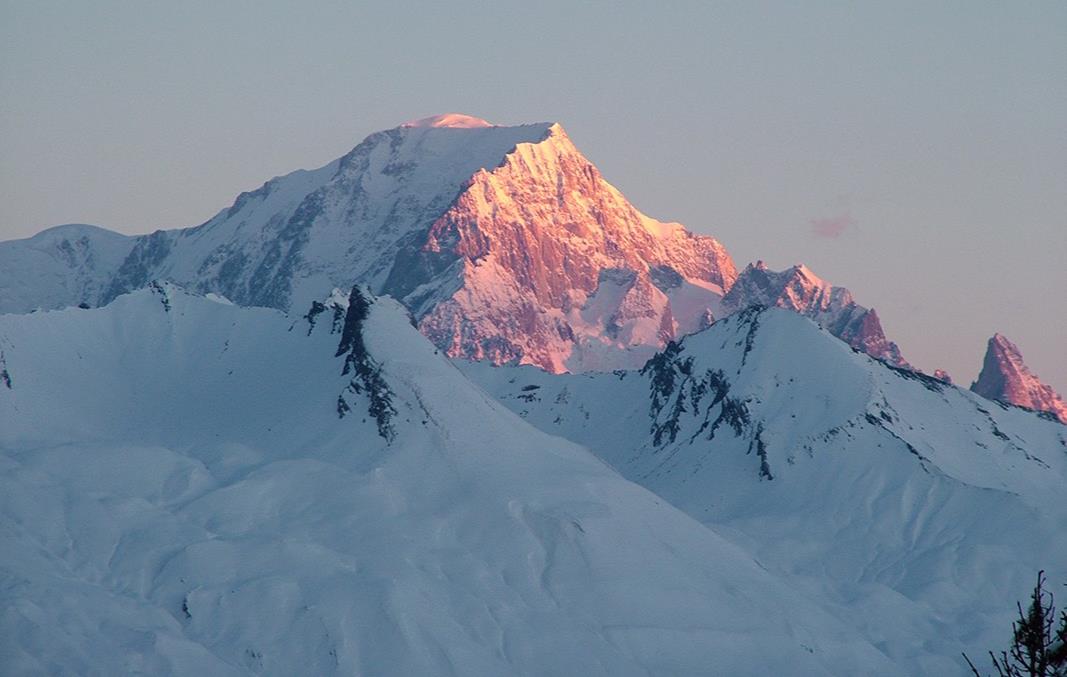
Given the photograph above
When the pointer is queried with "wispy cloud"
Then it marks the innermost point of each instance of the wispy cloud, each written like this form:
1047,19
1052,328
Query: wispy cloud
831,227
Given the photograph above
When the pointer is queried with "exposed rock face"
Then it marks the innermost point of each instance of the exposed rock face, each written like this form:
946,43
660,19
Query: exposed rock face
942,375
556,268
1006,378
366,372
833,308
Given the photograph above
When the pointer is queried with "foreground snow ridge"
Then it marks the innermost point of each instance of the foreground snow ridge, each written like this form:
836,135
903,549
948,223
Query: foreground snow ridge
208,511
918,510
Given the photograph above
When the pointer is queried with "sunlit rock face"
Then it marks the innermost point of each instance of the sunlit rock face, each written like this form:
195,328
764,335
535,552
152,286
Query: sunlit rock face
942,375
833,308
1006,378
556,268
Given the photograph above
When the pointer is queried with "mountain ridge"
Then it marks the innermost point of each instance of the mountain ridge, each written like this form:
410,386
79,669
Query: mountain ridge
211,510
506,243
888,490
423,212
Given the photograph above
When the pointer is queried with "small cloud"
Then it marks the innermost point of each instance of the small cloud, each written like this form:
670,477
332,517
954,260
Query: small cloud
831,226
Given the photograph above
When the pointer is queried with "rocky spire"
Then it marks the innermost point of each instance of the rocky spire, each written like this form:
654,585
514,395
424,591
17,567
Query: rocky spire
800,290
1006,378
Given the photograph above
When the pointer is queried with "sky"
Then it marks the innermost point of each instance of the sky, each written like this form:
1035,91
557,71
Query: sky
915,153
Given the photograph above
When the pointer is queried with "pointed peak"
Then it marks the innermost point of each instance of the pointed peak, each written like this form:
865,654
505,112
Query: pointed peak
1000,339
450,121
800,270
999,344
556,129
1006,378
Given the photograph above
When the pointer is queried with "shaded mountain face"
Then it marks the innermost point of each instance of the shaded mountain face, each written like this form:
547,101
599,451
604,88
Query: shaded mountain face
60,267
920,508
833,308
246,492
1006,378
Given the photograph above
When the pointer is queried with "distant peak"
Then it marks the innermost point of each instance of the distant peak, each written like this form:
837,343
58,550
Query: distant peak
450,120
1001,339
69,230
1000,343
1006,378
942,375
805,272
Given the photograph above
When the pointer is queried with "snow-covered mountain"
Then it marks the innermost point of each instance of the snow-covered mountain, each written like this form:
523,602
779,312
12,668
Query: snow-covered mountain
60,267
193,487
800,290
259,477
1006,378
506,244
919,510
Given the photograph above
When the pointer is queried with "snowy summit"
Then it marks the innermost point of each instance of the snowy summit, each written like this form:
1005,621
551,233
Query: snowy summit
452,120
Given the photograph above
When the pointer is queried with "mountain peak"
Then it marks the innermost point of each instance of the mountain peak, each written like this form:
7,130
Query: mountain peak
802,291
1003,342
450,120
1006,378
800,270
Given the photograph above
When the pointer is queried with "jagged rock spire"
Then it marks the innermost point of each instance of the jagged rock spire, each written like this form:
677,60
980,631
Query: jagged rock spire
1006,378
802,291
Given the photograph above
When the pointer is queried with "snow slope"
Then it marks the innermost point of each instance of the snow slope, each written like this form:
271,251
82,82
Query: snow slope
193,487
918,510
58,267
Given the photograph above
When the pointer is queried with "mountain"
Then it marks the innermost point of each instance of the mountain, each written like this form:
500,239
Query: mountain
60,267
192,487
919,510
1006,378
800,290
505,243
258,476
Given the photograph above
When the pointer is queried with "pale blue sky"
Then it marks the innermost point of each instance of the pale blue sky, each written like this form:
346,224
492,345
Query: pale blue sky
931,137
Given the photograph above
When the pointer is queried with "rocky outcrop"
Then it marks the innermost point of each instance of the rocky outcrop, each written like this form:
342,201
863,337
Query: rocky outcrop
552,266
367,379
833,308
1006,378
